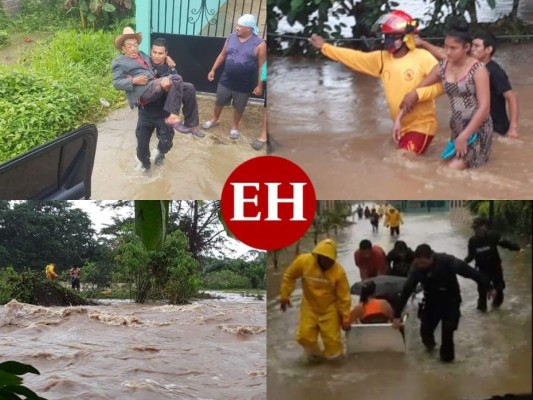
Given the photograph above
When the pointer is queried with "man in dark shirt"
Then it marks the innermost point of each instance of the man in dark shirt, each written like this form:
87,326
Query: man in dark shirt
483,248
483,48
437,272
165,66
399,259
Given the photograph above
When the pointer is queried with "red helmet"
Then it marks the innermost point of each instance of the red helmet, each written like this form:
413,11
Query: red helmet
395,22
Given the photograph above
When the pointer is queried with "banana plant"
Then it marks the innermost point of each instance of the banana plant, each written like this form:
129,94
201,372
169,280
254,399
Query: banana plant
91,11
151,220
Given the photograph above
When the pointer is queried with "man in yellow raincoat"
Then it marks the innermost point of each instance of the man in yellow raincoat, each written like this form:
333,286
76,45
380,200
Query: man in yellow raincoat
326,299
50,273
393,219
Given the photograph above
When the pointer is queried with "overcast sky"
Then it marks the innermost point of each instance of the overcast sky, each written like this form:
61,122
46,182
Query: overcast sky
101,218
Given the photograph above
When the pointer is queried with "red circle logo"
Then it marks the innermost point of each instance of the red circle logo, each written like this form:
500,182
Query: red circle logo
268,202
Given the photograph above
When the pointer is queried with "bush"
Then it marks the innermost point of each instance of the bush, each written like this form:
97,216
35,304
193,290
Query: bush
56,90
9,279
42,15
225,279
4,38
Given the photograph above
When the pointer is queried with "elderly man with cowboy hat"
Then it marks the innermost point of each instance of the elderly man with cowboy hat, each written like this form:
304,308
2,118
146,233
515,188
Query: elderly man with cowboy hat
134,73
244,54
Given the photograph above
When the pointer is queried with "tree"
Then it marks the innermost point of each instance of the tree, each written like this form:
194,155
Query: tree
35,233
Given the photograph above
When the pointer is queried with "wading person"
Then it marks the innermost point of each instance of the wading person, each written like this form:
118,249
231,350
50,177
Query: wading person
437,272
399,259
501,92
325,308
244,54
401,68
75,278
370,309
483,248
466,82
166,67
393,220
374,220
134,73
370,259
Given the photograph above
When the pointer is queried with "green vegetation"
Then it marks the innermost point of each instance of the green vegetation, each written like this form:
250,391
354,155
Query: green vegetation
4,39
55,90
513,216
367,12
33,288
117,264
11,387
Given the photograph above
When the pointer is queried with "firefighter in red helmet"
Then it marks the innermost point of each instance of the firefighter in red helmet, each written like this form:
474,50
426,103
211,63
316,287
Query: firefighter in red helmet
401,67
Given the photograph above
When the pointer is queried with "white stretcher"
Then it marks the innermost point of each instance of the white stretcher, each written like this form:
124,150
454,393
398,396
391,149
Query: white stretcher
375,338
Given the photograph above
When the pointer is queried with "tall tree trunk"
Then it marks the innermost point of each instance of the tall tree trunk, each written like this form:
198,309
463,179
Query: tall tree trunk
514,12
193,238
471,8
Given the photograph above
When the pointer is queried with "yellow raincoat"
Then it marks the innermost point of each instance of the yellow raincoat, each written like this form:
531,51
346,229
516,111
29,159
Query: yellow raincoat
50,273
326,299
393,218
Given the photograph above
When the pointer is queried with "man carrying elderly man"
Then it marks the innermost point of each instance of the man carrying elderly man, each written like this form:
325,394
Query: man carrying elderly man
244,53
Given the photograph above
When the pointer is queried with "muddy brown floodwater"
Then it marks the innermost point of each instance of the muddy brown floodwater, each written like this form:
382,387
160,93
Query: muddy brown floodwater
329,119
493,350
193,169
206,350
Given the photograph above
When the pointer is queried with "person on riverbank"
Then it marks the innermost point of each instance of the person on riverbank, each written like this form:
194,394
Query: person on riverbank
483,48
326,301
50,272
466,82
166,67
393,220
399,259
437,272
401,68
483,248
74,274
370,309
243,54
370,259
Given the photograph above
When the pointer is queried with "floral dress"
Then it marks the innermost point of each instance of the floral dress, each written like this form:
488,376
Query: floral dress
463,100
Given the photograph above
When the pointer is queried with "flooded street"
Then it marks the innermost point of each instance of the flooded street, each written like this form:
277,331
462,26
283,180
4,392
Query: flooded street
493,350
211,349
193,169
328,119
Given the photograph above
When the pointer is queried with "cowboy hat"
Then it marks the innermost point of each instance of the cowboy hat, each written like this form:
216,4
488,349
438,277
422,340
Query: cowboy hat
127,33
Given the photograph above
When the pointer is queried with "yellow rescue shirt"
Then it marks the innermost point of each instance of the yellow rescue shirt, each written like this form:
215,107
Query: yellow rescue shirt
323,291
399,76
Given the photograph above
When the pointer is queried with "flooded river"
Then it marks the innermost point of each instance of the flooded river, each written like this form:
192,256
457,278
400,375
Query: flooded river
328,119
493,351
212,349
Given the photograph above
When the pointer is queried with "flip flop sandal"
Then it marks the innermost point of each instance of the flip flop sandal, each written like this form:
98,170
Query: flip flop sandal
234,134
258,144
449,151
210,124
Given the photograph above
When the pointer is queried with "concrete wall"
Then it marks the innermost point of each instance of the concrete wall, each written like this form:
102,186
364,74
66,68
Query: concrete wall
10,6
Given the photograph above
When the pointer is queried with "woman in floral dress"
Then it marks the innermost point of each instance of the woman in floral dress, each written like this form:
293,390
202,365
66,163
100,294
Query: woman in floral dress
466,82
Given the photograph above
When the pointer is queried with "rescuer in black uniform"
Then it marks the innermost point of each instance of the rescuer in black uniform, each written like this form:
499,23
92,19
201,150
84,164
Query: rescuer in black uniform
437,272
483,248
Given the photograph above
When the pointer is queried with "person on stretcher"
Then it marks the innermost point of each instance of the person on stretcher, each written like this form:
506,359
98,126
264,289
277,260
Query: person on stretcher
371,310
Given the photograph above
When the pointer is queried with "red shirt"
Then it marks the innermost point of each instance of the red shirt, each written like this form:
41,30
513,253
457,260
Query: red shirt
374,265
